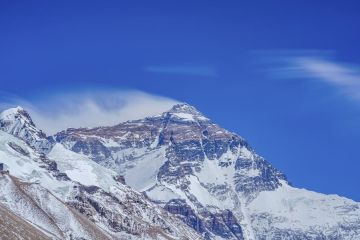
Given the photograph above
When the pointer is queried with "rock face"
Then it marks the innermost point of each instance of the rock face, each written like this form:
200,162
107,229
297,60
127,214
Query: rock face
223,224
212,180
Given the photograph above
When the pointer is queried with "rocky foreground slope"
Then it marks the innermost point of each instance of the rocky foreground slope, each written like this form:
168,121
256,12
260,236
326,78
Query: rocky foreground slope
186,178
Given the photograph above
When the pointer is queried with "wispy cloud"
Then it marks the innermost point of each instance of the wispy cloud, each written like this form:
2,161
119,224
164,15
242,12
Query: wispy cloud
343,76
89,108
205,71
320,66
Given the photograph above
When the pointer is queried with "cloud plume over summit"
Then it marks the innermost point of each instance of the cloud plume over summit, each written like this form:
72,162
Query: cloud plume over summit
90,108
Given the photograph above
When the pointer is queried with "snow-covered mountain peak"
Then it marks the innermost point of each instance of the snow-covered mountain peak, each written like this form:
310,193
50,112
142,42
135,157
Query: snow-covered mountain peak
17,122
185,112
183,161
16,114
184,108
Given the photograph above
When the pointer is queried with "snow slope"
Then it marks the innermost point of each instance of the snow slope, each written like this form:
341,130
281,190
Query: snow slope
38,206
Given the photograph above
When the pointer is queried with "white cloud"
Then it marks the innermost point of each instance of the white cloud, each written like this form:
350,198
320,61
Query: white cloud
345,77
90,108
314,65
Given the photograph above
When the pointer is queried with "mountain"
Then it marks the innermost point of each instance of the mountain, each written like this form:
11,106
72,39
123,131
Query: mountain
177,175
212,179
50,192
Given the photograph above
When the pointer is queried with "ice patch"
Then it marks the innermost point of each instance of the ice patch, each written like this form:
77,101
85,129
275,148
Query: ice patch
143,175
162,194
184,116
81,169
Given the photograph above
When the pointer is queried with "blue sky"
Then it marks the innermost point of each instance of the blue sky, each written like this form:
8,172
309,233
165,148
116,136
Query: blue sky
285,75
